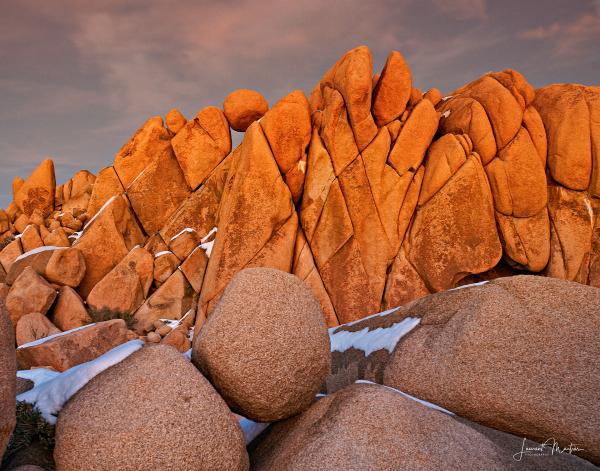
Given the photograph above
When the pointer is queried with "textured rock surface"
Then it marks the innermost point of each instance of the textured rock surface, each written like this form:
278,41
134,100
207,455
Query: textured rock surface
29,293
367,426
106,239
69,312
8,370
274,369
73,347
186,425
243,107
33,327
490,352
37,192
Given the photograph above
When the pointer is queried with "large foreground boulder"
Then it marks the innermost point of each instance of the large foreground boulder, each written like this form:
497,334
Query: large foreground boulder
368,426
265,347
8,369
153,410
517,354
67,349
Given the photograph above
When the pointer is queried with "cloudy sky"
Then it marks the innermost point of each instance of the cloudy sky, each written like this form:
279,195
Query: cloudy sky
77,80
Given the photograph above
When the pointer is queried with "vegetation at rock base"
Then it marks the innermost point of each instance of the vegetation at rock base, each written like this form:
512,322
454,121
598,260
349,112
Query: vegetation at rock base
101,315
31,429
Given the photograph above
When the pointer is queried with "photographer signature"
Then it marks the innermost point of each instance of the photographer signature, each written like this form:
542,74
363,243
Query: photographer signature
548,448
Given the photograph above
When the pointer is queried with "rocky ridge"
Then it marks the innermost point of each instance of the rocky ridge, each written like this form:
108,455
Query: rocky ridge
373,195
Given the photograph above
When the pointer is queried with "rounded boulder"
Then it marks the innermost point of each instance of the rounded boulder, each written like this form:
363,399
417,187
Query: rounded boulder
153,410
243,107
265,347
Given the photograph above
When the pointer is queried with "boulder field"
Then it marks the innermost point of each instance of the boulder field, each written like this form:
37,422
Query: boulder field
450,244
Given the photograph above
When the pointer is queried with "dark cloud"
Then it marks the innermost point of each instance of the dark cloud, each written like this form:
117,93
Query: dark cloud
78,78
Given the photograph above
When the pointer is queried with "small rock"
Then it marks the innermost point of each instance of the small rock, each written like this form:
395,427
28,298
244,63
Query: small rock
29,293
243,107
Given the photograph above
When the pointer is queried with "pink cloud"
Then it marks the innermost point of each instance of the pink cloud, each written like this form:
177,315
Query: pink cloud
568,37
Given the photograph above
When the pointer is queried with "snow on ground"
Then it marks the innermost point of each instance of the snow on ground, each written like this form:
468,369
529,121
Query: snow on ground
208,246
38,375
44,248
207,236
408,396
50,396
370,341
53,336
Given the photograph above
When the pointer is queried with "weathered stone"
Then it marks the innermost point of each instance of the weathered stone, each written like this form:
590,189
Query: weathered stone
171,301
165,263
9,254
184,243
184,410
571,229
175,120
105,240
287,127
252,232
66,267
30,238
106,186
392,91
494,342
194,267
351,76
125,287
150,142
158,191
32,327
29,293
38,190
202,144
368,426
454,232
243,107
8,373
566,116
71,348
262,372
69,311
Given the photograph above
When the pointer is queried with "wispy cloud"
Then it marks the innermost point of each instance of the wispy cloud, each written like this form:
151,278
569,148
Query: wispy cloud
569,37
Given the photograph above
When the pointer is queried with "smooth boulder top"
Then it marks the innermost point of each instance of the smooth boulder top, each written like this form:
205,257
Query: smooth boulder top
369,426
153,410
518,354
265,347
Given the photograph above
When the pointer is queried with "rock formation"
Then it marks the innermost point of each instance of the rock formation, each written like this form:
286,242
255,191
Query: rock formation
374,195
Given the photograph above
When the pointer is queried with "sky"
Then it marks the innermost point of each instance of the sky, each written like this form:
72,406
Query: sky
78,78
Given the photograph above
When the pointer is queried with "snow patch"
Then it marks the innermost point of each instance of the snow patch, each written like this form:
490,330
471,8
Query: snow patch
104,206
44,248
188,355
53,336
408,396
445,114
479,283
588,206
207,247
447,97
160,254
370,341
136,178
187,229
50,396
38,375
207,236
